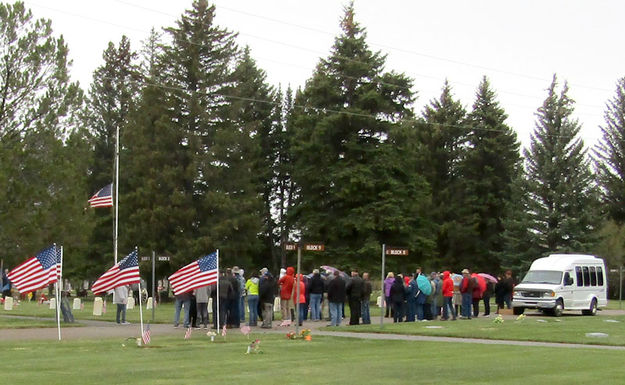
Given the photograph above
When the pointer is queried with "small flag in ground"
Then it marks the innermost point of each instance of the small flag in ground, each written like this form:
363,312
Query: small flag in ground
125,272
103,198
245,330
202,272
38,271
187,334
146,335
224,331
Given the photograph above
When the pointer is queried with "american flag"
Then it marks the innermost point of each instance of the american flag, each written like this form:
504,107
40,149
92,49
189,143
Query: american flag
146,335
125,272
103,198
38,271
224,330
202,272
187,334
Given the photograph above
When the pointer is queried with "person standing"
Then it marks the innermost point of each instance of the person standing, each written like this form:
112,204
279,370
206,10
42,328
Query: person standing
316,293
398,294
388,282
366,299
437,301
301,301
336,297
354,295
448,295
411,293
238,274
286,293
182,300
508,287
266,296
225,293
6,284
466,288
120,298
234,302
201,297
251,287
486,298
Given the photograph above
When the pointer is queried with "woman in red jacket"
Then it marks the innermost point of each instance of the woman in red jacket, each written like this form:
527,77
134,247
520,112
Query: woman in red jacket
448,294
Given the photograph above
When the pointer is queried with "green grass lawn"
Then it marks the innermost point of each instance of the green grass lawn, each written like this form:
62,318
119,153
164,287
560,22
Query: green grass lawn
569,328
29,323
324,360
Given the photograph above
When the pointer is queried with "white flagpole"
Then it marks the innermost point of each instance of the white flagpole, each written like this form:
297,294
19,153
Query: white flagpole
217,298
59,283
116,194
141,308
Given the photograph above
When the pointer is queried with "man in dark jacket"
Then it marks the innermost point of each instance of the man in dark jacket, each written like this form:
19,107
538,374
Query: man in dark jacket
266,296
225,292
366,299
466,288
234,301
354,295
336,298
316,294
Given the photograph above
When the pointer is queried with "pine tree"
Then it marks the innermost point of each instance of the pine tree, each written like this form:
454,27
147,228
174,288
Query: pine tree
355,188
443,136
610,155
561,185
491,164
40,174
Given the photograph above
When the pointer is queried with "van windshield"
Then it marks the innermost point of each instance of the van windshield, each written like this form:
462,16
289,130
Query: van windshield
543,276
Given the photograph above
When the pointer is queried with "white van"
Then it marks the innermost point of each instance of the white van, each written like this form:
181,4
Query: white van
563,282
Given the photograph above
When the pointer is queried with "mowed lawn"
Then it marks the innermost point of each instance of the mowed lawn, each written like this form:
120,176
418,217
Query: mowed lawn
324,360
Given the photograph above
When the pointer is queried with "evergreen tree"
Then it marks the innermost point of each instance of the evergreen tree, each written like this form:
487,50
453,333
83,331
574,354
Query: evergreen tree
491,164
443,136
610,155
561,186
40,173
356,188
112,96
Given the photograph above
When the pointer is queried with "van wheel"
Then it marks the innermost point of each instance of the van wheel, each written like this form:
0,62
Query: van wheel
593,308
518,310
558,309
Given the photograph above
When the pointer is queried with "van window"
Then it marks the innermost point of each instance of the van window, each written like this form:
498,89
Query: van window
578,273
599,276
586,275
593,276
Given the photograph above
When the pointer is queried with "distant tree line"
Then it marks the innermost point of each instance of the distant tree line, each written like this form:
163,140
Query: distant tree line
212,156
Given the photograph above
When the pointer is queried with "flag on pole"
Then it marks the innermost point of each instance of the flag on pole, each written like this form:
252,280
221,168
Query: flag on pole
146,335
125,272
38,271
224,331
103,198
202,272
187,334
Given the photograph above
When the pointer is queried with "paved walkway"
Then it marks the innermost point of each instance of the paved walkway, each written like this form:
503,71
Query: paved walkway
103,329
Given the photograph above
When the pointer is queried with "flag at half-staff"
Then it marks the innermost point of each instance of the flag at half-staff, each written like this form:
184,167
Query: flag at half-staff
202,272
125,272
102,198
38,271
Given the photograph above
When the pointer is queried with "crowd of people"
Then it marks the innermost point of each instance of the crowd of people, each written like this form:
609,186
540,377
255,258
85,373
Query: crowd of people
417,297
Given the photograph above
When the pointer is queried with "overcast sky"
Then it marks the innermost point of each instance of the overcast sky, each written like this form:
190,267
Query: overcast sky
519,45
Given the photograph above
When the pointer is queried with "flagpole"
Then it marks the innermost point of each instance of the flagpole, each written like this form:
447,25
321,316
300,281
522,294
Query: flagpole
217,297
58,295
116,194
140,305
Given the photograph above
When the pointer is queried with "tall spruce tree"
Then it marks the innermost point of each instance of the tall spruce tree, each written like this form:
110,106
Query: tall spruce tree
356,189
443,135
610,155
40,154
112,96
561,185
491,164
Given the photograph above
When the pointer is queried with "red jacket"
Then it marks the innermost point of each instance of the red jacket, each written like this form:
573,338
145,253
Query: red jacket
286,283
448,285
302,291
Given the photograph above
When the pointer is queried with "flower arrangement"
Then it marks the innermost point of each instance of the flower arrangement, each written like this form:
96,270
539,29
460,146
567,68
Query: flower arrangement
212,335
521,317
498,319
291,335
303,334
254,347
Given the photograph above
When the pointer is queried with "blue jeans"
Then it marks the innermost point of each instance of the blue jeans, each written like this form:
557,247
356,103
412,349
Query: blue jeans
302,309
412,310
315,307
447,304
242,308
364,312
121,310
507,299
467,300
336,313
187,307
252,305
420,311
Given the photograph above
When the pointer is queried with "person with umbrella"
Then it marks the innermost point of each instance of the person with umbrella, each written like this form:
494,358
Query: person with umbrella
425,289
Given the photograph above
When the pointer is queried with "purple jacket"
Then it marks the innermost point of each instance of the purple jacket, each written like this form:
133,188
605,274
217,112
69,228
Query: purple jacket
387,286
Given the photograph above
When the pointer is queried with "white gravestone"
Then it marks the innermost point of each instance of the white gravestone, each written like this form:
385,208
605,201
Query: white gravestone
52,303
8,303
130,303
148,304
76,304
97,306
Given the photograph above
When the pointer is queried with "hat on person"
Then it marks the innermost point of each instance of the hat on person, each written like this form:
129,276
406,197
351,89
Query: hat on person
465,271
